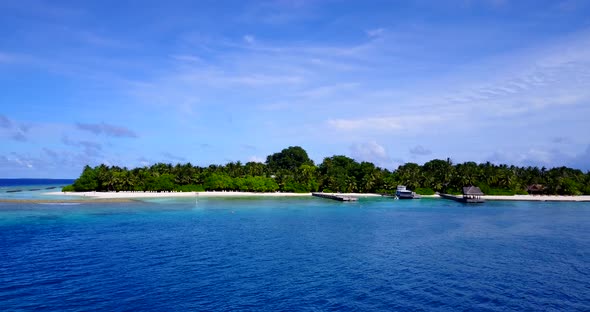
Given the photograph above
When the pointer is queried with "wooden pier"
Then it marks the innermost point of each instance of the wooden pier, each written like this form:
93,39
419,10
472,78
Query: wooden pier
335,197
471,195
461,199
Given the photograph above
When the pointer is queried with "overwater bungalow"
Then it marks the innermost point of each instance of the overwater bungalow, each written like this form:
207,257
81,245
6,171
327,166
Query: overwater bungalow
472,194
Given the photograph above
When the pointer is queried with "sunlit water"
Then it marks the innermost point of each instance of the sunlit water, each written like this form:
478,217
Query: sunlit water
295,254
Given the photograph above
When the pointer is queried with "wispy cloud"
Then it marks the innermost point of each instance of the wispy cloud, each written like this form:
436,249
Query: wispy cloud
420,150
376,32
14,130
355,103
372,152
561,140
387,124
88,144
16,160
171,157
581,160
257,159
288,70
19,136
107,129
186,58
248,147
48,163
90,148
143,161
328,90
249,39
540,156
529,157
5,122
279,12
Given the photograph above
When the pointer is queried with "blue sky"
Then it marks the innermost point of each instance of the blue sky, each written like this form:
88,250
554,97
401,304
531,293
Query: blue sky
132,83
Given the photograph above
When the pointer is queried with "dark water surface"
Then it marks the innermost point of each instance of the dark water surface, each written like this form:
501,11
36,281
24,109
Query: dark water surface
6,183
295,254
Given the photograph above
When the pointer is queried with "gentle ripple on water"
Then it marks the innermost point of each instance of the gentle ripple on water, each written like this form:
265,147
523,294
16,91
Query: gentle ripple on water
295,254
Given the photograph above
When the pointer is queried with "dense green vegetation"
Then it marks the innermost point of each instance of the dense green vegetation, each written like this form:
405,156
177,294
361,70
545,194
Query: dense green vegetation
291,170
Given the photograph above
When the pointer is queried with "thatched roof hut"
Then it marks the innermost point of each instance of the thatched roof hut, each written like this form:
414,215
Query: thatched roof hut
472,192
535,189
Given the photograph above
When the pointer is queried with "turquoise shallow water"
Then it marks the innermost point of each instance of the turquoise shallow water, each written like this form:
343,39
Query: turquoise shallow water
32,188
295,254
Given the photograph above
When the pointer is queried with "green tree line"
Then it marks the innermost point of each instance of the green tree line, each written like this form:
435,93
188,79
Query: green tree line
291,170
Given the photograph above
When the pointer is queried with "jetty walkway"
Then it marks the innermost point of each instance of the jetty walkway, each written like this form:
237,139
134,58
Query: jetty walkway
463,199
335,197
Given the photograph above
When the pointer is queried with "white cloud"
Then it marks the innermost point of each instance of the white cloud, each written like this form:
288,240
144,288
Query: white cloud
371,151
387,124
174,158
375,32
530,157
420,150
144,162
5,122
249,39
392,81
13,130
547,157
328,90
581,160
263,80
186,58
22,162
257,159
107,130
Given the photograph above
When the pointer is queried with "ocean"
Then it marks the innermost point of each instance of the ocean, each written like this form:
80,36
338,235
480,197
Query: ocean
15,183
31,188
295,254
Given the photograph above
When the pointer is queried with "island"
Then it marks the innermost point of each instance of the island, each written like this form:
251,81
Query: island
291,171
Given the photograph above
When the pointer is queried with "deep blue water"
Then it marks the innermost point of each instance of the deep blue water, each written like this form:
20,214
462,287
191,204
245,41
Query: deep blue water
295,254
32,188
33,182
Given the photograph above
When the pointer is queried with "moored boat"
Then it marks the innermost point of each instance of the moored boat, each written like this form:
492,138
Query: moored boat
403,193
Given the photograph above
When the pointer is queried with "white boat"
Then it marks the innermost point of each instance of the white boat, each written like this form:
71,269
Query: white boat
403,193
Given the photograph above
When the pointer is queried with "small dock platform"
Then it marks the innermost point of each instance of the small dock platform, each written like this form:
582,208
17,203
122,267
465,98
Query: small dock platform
335,197
461,199
471,195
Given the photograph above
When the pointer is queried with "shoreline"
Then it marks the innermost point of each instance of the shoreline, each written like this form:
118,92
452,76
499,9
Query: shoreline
541,198
213,194
69,201
104,197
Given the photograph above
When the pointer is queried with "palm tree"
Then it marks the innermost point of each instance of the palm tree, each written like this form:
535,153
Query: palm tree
350,186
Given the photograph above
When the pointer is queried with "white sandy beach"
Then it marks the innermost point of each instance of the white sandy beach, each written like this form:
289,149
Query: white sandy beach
541,198
138,195
131,195
582,198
